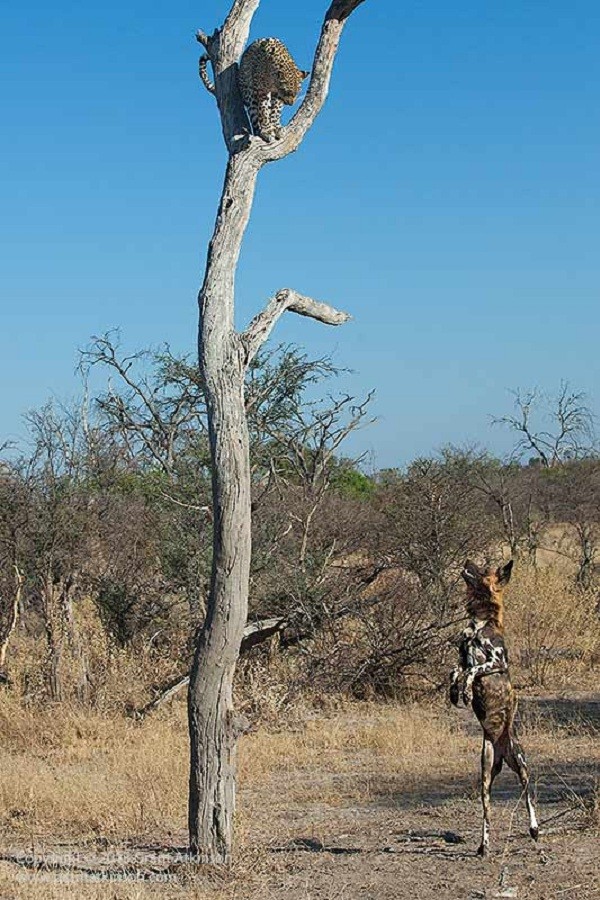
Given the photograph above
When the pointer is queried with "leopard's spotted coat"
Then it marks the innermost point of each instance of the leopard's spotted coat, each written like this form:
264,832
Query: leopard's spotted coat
268,78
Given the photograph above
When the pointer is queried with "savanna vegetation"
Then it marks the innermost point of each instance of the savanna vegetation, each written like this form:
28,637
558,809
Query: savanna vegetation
355,601
105,536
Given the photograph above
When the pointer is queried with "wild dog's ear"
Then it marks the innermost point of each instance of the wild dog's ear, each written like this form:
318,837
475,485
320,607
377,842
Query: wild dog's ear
304,74
471,573
503,573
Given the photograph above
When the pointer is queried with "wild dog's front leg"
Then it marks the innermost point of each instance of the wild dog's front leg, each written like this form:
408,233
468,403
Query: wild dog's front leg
496,663
455,677
467,693
458,672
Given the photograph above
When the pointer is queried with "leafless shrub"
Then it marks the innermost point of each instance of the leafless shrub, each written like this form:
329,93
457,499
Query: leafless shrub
552,430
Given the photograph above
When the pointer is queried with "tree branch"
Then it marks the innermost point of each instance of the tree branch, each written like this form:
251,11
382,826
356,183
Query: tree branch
261,326
224,49
254,633
341,9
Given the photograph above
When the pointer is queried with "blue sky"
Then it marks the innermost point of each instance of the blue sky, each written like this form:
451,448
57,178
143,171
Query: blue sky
448,197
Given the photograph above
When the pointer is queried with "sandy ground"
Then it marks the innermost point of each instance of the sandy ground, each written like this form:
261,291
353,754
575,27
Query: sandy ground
366,834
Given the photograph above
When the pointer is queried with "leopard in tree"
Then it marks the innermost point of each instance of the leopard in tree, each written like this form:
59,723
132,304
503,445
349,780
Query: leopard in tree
268,78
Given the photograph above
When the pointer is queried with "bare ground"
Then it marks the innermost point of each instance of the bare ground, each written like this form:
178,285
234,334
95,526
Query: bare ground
342,821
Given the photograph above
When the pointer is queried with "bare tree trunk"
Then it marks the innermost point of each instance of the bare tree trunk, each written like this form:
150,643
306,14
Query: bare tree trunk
211,723
224,356
55,635
587,554
63,640
9,620
508,522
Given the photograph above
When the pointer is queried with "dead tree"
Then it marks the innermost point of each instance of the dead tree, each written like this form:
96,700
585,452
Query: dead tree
569,433
224,356
8,617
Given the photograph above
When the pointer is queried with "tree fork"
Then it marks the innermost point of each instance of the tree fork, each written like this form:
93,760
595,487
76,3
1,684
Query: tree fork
223,357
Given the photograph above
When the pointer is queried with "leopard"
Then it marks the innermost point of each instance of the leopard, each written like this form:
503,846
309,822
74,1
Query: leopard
268,78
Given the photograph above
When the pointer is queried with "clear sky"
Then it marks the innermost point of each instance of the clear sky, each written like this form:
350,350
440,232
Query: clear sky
448,197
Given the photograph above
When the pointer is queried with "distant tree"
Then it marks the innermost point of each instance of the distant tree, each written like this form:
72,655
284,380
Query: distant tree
50,486
551,430
572,496
13,517
434,517
301,525
153,405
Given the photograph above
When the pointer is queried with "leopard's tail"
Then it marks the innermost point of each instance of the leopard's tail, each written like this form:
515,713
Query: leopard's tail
203,72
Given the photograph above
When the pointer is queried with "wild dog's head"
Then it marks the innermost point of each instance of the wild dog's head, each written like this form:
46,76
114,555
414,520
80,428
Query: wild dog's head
484,591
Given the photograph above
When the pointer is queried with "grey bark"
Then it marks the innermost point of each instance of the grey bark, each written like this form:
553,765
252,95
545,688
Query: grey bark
254,634
64,646
223,357
10,614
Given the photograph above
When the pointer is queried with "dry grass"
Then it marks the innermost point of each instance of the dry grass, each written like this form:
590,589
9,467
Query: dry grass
72,779
407,740
553,630
66,773
44,888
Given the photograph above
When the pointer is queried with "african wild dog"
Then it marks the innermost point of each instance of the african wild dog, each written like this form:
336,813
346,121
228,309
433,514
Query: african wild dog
487,688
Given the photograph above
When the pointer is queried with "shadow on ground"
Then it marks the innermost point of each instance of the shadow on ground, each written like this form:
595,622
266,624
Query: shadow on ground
579,714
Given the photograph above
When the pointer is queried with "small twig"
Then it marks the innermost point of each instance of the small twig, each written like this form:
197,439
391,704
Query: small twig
192,506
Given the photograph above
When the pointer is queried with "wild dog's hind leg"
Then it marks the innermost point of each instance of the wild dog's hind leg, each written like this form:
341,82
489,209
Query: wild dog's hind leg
515,758
491,765
487,767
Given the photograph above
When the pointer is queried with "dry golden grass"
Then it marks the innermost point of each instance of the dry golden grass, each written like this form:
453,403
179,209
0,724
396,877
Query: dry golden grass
66,772
95,782
72,778
45,888
552,629
69,772
407,739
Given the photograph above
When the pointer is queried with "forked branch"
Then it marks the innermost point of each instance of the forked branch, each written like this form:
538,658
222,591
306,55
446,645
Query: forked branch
224,48
318,88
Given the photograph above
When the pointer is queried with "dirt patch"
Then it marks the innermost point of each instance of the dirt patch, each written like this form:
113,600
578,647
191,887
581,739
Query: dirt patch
344,817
